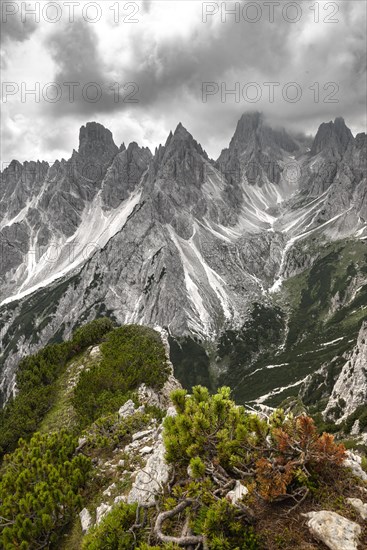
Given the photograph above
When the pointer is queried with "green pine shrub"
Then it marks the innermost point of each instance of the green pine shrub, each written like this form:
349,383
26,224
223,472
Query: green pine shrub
210,433
359,414
40,490
91,333
36,383
223,527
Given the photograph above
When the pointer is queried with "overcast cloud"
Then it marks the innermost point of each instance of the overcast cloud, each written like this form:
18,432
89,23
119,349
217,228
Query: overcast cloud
167,51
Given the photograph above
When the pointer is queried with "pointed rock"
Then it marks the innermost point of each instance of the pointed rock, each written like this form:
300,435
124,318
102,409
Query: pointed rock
124,174
332,138
94,139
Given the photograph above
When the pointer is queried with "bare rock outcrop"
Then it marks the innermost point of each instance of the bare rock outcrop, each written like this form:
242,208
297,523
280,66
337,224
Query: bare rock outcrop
350,389
335,531
151,479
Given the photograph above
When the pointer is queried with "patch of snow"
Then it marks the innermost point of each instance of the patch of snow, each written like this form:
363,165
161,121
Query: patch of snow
193,262
360,232
17,219
89,237
277,391
268,367
333,341
215,281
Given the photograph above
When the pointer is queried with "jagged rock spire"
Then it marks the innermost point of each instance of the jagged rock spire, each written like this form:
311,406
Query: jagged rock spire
333,137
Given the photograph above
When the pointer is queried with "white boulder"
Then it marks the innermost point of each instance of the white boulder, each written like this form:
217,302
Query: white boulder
142,435
354,462
237,493
101,511
358,505
127,409
85,520
335,531
95,352
107,492
146,450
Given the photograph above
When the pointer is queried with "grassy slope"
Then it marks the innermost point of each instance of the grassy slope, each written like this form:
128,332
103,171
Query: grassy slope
62,414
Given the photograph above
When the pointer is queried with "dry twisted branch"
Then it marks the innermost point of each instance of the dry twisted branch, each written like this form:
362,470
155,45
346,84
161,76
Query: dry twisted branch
184,540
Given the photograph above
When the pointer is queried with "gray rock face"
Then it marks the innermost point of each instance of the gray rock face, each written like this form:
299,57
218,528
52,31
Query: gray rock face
335,531
333,137
351,385
150,481
128,409
256,152
96,144
160,399
124,174
20,183
46,212
337,166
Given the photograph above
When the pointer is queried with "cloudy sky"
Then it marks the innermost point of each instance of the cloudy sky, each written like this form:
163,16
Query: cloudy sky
141,67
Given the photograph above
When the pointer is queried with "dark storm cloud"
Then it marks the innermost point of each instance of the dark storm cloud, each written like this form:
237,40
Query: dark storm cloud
75,52
12,28
162,70
169,70
173,70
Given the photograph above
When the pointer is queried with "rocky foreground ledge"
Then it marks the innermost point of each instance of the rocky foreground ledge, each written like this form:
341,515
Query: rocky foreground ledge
143,462
152,477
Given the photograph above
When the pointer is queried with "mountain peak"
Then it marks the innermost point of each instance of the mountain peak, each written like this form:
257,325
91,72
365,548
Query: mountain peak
181,140
95,138
247,126
254,117
333,137
182,132
339,120
253,134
